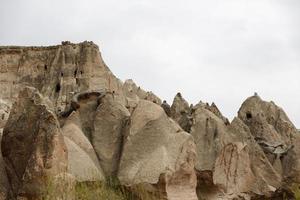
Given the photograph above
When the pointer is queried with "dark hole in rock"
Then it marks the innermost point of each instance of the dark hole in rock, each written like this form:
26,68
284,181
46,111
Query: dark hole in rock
77,82
248,115
57,87
215,133
3,116
45,67
75,73
81,72
62,74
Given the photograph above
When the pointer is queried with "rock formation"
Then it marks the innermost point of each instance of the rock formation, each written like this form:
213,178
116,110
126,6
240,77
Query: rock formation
156,142
5,192
275,133
56,71
111,119
67,120
32,146
180,112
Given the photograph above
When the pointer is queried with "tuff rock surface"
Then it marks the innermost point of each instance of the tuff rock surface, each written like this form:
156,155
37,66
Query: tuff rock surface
4,183
155,141
32,146
66,119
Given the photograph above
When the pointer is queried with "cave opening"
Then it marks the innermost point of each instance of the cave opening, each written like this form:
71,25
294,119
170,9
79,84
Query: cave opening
248,115
45,67
75,73
57,87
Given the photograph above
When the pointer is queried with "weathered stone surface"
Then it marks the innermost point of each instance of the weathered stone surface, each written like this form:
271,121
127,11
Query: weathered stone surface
232,170
157,150
80,165
4,184
4,112
133,94
180,112
72,130
32,146
56,71
275,133
167,108
209,132
214,109
110,123
118,129
229,161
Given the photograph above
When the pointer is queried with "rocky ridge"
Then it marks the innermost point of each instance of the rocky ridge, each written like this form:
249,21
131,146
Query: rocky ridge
66,119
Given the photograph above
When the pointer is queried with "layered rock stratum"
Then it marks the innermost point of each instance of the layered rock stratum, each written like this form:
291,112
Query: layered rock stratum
65,119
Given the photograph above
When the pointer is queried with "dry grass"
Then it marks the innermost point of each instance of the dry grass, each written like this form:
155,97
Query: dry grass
110,190
296,190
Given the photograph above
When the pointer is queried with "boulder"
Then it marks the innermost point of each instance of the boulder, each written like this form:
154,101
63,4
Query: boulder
159,154
110,123
80,165
73,131
33,147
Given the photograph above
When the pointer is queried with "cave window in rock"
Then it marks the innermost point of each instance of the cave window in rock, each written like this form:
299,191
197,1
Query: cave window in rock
62,74
81,72
45,67
75,73
248,115
57,87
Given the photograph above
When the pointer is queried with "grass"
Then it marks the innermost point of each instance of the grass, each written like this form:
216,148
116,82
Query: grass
295,188
109,190
98,190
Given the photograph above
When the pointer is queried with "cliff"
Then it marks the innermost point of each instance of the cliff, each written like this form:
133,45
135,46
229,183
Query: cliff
66,119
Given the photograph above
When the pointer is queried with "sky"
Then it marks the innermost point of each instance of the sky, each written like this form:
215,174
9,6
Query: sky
210,50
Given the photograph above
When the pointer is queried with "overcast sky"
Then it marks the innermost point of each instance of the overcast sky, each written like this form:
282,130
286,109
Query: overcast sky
218,51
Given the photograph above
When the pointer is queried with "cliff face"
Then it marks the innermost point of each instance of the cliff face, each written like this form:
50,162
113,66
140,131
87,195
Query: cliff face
62,112
56,71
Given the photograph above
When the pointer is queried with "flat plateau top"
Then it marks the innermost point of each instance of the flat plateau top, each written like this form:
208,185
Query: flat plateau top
64,43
